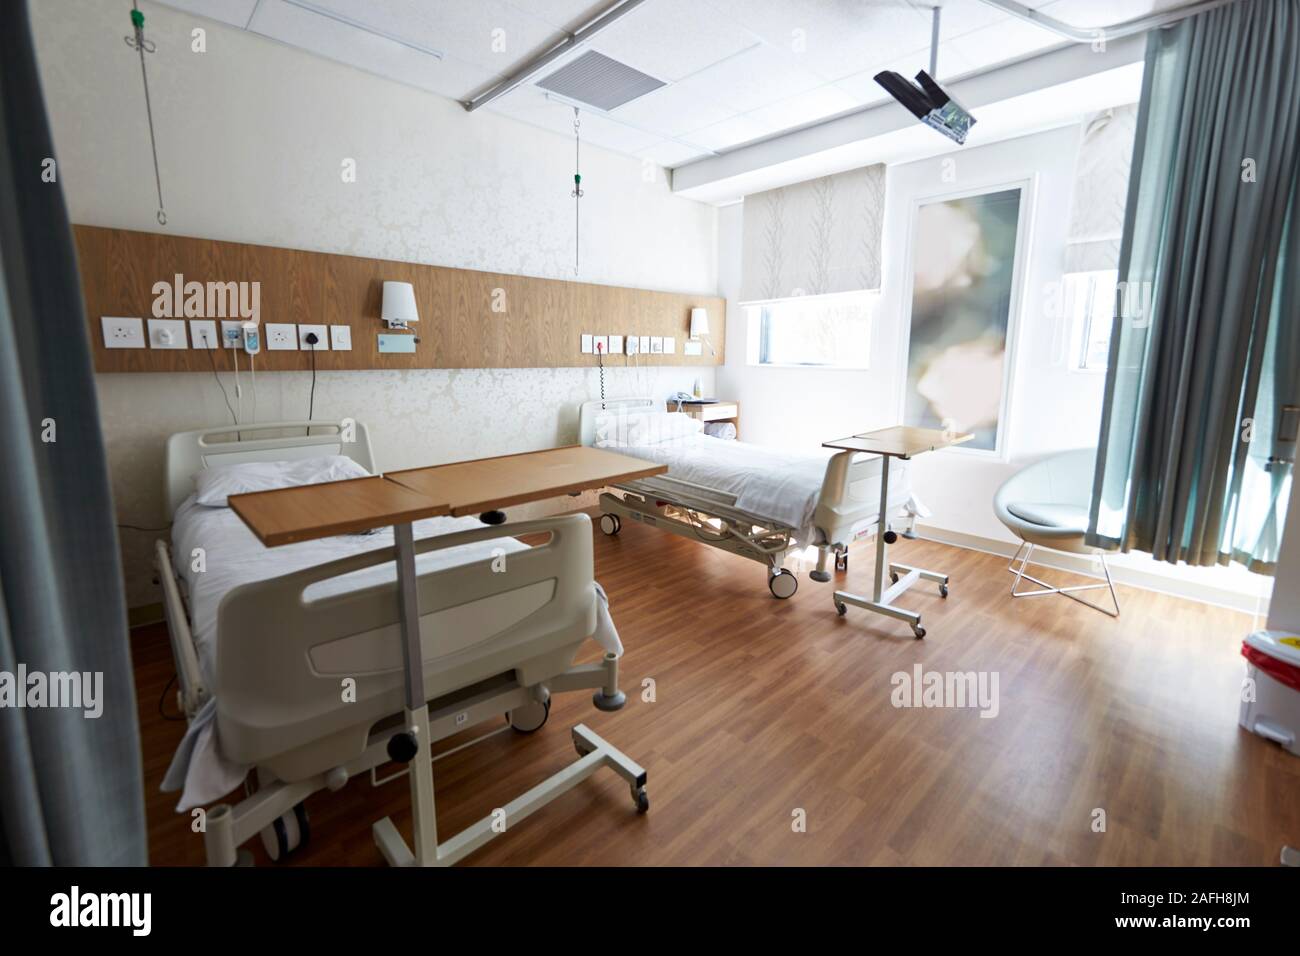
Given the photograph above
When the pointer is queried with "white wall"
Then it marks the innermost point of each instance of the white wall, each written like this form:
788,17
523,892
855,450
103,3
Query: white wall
251,138
1052,407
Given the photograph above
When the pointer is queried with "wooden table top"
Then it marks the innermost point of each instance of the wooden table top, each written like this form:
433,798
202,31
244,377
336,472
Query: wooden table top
473,487
308,512
900,441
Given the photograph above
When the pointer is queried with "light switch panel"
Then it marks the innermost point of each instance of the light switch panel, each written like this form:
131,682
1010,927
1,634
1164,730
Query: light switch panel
280,336
167,334
322,338
670,346
122,333
616,345
341,338
587,345
203,334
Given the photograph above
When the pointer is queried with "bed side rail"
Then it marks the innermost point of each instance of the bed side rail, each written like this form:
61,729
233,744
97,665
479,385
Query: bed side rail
193,690
279,652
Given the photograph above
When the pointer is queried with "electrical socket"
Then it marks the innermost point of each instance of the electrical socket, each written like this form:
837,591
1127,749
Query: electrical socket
280,336
322,338
122,333
232,334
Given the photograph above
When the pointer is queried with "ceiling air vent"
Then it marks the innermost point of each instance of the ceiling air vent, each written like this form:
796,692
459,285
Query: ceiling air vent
598,81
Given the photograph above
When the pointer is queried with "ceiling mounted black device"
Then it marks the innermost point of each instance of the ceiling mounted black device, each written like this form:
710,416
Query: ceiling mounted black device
929,103
925,99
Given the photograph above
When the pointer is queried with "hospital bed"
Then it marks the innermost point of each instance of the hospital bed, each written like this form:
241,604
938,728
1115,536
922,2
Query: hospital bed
763,504
287,660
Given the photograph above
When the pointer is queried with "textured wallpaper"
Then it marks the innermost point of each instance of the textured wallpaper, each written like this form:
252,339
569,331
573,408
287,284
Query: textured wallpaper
252,139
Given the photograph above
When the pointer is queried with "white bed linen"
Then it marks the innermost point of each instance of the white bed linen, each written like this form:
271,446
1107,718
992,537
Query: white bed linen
233,556
778,484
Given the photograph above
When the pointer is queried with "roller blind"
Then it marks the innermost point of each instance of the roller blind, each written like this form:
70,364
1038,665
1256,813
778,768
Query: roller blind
814,237
1101,190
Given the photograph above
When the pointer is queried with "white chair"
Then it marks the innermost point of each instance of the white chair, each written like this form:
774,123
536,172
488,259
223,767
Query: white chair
1047,505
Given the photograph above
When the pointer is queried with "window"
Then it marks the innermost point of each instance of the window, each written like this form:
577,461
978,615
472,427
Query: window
1090,307
826,330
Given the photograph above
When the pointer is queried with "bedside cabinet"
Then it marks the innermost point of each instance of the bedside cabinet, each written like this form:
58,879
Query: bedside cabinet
712,412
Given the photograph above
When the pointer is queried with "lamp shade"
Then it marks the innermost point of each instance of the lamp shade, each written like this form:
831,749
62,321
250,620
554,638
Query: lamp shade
399,303
699,322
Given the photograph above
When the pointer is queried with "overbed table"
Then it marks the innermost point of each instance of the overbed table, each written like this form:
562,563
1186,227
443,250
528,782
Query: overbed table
902,442
398,499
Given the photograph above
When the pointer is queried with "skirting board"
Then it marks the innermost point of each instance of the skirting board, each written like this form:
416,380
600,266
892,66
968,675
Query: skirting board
1078,564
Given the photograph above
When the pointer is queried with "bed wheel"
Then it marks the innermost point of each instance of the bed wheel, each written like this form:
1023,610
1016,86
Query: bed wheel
641,800
531,717
610,524
783,584
289,832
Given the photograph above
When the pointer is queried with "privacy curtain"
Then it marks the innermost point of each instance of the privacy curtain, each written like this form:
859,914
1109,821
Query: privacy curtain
1196,438
814,238
71,790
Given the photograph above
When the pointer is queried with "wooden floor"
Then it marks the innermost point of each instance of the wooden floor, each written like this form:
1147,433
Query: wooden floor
765,707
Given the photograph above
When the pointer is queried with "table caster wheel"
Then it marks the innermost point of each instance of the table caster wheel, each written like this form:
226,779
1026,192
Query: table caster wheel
641,800
841,609
893,577
919,631
943,590
783,584
286,834
610,524
531,717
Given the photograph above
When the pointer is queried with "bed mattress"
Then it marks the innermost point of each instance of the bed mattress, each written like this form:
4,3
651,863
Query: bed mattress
780,485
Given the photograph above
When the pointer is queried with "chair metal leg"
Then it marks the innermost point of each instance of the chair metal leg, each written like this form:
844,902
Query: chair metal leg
1045,588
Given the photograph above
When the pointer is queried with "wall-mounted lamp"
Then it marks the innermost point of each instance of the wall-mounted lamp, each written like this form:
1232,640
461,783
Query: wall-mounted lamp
700,326
398,309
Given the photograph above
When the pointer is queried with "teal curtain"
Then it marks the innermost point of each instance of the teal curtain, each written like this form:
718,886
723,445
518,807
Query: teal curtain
1198,430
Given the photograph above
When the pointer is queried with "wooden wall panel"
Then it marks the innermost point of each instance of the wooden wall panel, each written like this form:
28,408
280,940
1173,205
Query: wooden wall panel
540,327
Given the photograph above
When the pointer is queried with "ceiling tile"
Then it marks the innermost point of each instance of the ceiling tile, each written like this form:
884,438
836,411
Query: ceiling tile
804,108
234,12
728,133
833,38
671,39
1001,42
748,80
671,111
466,31
337,41
564,15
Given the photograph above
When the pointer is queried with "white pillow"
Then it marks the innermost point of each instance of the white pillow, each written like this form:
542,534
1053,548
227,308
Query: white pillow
638,429
217,483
